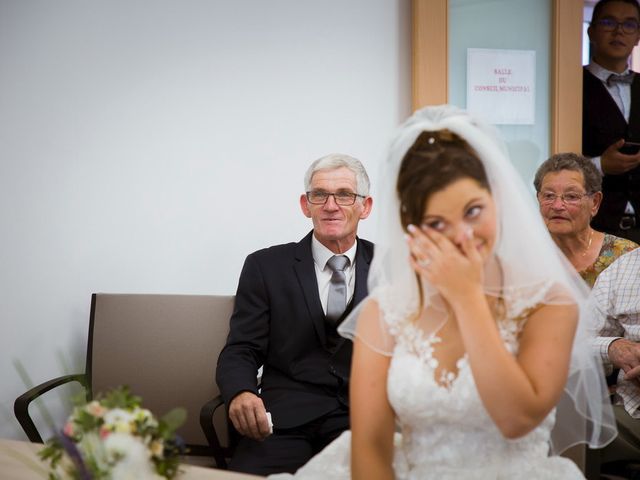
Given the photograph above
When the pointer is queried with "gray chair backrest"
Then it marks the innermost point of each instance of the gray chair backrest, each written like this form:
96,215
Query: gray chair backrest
164,347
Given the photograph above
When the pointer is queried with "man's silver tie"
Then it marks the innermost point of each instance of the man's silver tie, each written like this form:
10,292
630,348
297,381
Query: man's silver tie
337,300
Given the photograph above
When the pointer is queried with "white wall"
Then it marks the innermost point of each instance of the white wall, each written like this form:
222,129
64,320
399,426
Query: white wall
149,146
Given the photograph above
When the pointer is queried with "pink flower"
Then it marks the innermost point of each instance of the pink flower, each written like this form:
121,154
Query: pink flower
68,429
94,408
104,432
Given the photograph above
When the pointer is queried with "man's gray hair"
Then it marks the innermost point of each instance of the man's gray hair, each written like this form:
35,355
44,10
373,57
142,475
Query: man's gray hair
339,160
574,162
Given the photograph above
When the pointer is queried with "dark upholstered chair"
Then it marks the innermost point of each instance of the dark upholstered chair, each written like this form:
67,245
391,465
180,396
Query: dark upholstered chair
165,348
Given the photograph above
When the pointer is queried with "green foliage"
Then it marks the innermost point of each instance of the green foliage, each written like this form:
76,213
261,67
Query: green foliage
119,397
173,420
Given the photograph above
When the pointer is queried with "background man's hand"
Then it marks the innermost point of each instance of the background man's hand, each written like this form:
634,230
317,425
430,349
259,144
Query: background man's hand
625,354
248,415
615,163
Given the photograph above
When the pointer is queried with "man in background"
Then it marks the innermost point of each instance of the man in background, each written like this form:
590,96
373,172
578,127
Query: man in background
611,115
289,302
617,311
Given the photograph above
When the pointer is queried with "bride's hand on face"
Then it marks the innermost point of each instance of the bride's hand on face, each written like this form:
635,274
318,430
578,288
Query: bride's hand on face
454,270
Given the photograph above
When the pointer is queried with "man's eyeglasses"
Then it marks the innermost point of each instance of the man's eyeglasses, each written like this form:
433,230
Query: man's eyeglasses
569,198
318,197
609,25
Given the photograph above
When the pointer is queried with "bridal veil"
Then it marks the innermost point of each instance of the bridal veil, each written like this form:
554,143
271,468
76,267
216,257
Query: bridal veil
533,271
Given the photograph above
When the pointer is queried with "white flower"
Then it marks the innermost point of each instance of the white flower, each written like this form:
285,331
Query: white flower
144,416
134,462
119,420
118,415
123,443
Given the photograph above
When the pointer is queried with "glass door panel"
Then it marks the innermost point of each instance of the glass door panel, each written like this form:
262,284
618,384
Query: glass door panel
508,25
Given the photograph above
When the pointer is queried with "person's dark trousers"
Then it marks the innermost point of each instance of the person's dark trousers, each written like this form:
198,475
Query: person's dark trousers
622,456
288,449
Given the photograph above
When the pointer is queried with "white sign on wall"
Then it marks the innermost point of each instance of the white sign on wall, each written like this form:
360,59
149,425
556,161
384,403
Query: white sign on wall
501,85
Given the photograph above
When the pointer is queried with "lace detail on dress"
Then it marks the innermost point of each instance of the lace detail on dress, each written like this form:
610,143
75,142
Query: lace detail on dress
514,313
411,337
519,303
391,311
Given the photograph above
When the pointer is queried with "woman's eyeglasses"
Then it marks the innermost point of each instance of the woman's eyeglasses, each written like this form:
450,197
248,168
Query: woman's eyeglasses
569,198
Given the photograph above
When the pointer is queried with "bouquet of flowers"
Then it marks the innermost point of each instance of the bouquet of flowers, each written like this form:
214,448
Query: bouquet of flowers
113,437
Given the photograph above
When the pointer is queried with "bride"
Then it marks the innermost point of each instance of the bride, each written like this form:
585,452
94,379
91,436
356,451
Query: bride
471,356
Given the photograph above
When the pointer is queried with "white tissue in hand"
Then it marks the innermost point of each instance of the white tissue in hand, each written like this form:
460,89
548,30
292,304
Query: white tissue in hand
270,422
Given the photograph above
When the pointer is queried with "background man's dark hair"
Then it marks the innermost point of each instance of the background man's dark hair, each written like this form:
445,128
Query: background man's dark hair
598,8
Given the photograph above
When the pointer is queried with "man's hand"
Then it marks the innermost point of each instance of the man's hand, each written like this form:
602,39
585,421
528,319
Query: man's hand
625,354
615,163
248,415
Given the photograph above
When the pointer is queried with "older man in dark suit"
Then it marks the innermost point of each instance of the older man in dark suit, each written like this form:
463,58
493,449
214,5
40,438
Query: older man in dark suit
289,302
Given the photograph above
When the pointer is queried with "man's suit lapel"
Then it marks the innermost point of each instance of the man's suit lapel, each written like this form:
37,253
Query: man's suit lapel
306,273
633,133
363,259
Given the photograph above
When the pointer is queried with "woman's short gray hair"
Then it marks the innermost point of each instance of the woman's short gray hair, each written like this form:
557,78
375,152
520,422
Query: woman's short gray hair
574,162
339,160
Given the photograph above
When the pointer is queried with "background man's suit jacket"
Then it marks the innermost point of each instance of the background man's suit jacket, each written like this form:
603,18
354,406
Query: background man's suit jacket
603,124
278,322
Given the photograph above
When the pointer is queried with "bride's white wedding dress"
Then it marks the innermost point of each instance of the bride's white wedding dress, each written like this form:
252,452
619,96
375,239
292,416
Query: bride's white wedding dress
446,433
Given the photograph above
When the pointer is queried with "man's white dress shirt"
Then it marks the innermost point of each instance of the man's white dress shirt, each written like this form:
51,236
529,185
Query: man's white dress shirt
616,299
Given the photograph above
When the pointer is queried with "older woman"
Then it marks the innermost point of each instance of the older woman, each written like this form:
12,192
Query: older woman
569,190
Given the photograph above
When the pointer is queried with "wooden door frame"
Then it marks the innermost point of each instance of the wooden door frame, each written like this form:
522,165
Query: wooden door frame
430,68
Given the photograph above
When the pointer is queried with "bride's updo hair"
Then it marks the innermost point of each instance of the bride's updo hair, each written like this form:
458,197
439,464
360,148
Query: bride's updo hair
434,161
